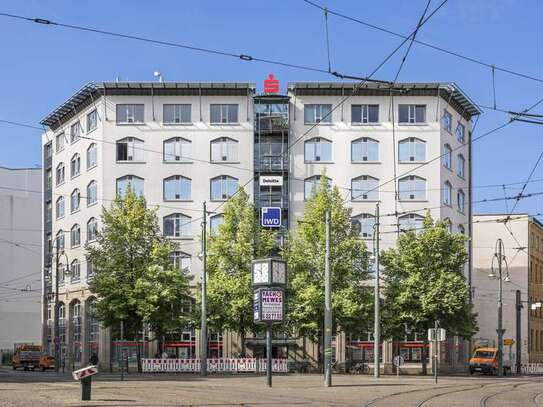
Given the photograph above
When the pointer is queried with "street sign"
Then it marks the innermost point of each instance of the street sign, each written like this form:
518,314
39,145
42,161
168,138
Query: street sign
271,217
509,342
84,372
269,305
398,361
441,334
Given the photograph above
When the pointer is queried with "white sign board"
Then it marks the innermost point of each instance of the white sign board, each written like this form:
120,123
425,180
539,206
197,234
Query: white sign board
441,334
84,372
271,180
398,360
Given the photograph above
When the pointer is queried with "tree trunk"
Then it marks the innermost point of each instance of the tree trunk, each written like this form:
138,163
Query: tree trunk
424,355
243,337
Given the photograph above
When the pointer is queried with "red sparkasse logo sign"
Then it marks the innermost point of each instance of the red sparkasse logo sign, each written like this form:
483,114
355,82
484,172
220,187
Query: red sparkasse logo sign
271,85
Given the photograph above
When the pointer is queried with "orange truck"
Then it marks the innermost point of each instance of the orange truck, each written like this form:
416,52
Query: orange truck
485,360
26,356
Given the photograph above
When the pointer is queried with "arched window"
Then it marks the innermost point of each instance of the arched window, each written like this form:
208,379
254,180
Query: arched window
411,221
75,165
75,200
461,163
318,149
132,182
75,236
177,149
224,149
75,270
76,329
411,149
75,132
223,187
60,240
365,222
177,188
92,193
130,149
181,260
447,192
412,187
178,225
446,121
447,156
60,207
365,188
60,173
461,200
460,133
215,222
311,185
92,229
92,156
364,149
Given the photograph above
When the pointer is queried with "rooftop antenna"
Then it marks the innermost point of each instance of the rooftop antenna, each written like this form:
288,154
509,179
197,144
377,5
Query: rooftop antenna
158,74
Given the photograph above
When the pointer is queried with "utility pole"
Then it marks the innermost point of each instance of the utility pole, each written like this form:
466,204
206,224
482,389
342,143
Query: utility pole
500,305
57,327
518,308
122,350
376,326
435,351
327,309
203,321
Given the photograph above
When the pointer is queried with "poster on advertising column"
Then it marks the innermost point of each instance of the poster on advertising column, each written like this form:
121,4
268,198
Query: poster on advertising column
269,305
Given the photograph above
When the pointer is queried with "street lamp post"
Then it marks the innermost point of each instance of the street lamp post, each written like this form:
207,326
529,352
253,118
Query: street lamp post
376,326
203,321
57,322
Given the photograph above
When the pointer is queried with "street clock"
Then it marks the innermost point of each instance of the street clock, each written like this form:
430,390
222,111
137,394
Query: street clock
268,272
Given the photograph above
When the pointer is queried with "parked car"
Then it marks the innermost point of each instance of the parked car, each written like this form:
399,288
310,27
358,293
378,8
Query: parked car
26,356
485,360
46,362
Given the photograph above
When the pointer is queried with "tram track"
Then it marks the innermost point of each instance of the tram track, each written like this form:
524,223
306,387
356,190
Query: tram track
483,402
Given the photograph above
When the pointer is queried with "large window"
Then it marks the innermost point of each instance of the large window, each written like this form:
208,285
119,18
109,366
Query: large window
364,150
317,114
75,165
48,150
92,159
412,113
92,229
461,200
411,149
446,121
60,240
223,187
460,133
60,207
75,200
177,188
92,120
318,149
180,260
447,192
224,114
130,149
49,179
364,114
311,185
460,166
224,149
75,270
75,132
76,327
92,193
176,114
75,236
447,156
412,188
59,142
178,225
128,114
177,149
411,221
365,222
215,222
60,173
365,188
132,182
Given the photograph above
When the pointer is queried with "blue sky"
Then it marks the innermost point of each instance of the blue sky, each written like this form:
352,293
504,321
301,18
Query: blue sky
43,65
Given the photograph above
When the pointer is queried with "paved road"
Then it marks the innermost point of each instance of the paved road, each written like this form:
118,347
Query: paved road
47,389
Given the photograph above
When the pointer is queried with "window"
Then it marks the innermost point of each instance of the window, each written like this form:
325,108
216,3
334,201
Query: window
412,113
177,188
448,224
92,193
365,188
180,260
177,149
60,207
75,132
59,142
412,188
92,120
127,114
75,271
365,222
132,182
92,160
317,114
215,222
447,156
461,229
48,150
461,200
49,179
460,167
364,114
177,225
224,149
130,149
75,236
60,240
92,229
176,114
60,173
411,149
364,150
225,113
91,269
75,165
48,211
447,191
446,121
411,221
223,187
75,200
318,149
460,133
311,185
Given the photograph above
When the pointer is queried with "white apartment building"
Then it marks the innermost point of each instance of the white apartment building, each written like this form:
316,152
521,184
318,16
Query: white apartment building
180,144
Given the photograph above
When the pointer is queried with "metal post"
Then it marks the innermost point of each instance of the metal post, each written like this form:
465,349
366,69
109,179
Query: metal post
376,326
518,308
327,309
57,328
435,352
203,321
500,304
122,351
269,354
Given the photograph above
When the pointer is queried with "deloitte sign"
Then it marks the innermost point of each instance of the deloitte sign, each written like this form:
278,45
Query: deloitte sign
271,217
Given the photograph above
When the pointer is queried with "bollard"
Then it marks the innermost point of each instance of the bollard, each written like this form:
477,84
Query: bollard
86,384
84,375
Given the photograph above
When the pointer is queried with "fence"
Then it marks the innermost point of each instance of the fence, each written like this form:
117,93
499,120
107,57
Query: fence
213,365
532,368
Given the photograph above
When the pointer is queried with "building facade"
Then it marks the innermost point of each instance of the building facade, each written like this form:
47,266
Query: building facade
180,144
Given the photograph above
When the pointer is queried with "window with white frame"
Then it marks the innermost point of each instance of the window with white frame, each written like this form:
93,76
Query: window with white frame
130,182
365,222
91,269
92,156
364,149
460,166
129,113
411,221
215,222
92,120
92,193
75,165
176,114
130,149
223,187
177,149
59,142
75,270
92,229
224,113
317,113
361,114
365,188
60,173
75,132
412,188
318,149
460,133
412,114
48,150
49,179
177,188
411,149
59,210
446,121
447,156
75,200
224,149
178,225
461,200
311,185
60,240
181,260
75,236
447,192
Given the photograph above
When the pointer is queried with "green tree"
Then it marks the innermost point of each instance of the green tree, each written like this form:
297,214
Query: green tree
351,298
238,241
424,283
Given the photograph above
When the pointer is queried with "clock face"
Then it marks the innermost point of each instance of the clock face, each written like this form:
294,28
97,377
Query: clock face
279,273
260,273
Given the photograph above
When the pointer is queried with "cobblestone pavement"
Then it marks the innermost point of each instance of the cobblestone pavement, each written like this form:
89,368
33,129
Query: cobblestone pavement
21,388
